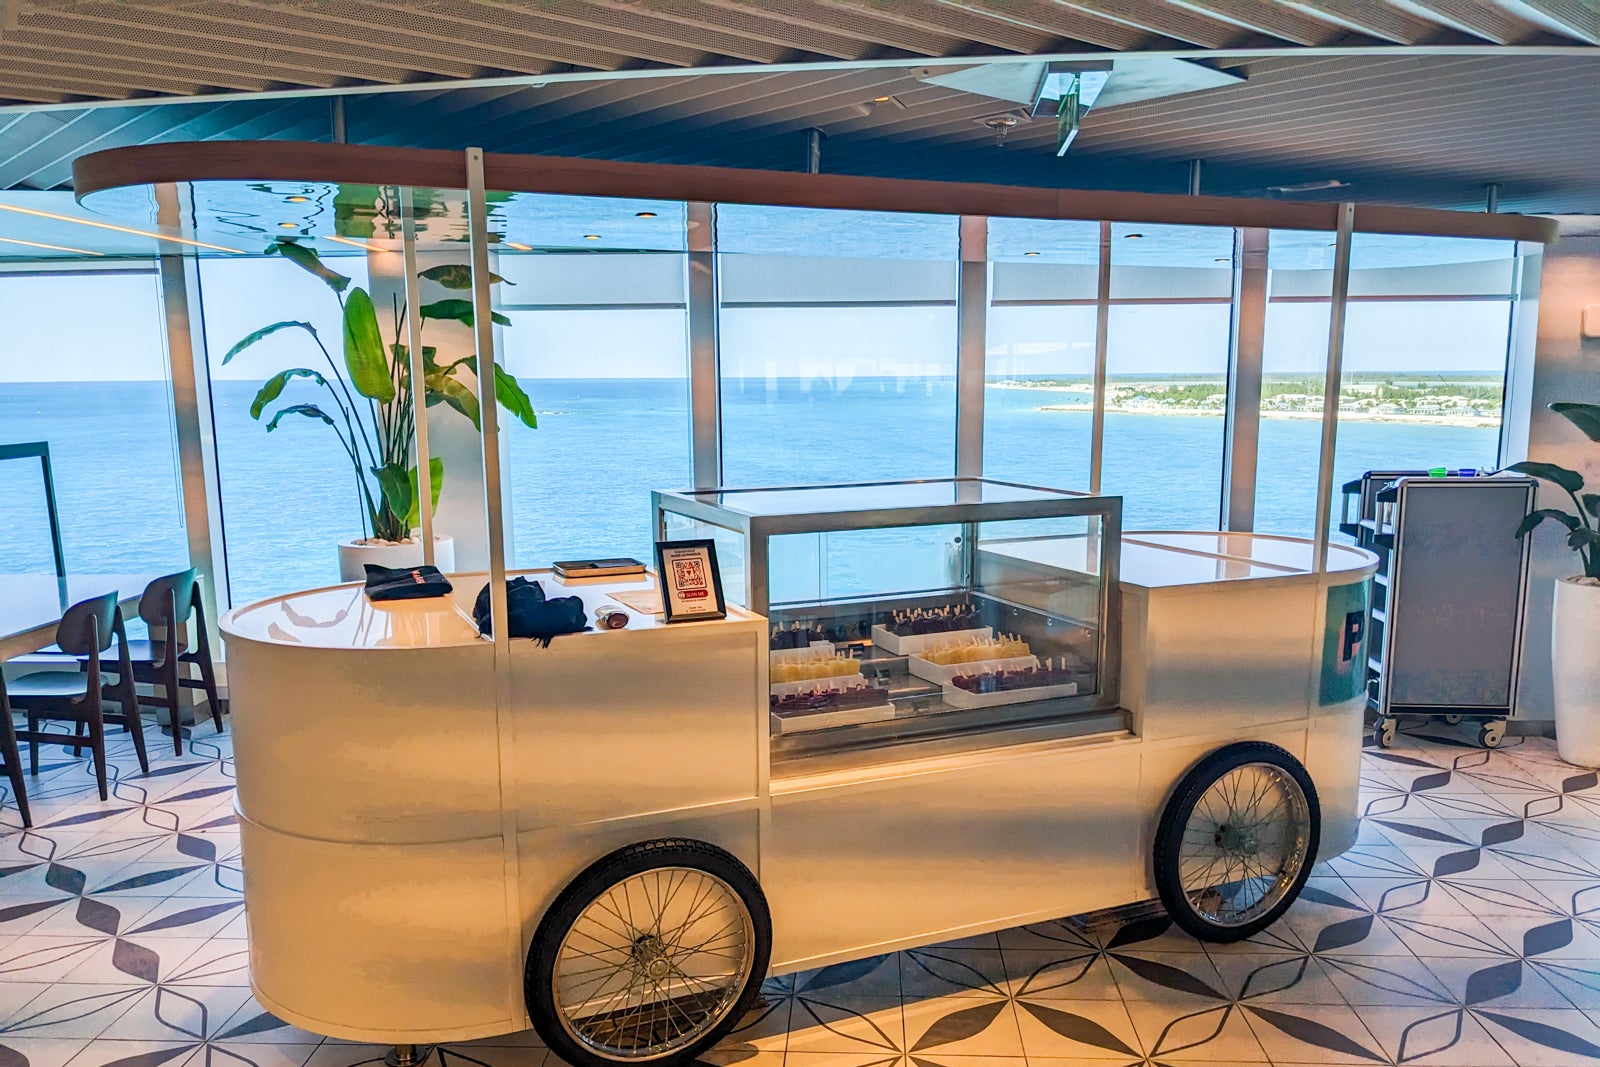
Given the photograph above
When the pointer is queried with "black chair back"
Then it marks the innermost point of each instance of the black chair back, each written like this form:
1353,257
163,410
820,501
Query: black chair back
87,627
169,600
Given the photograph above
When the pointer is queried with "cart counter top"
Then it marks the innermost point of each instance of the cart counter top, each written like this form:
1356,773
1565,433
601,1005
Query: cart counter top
341,616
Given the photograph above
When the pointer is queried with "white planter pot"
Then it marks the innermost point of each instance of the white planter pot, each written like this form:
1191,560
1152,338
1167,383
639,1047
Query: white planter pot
354,556
1574,644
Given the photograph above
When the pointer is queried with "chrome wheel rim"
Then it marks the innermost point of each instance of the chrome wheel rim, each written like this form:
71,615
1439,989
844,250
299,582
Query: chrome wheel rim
1244,845
653,964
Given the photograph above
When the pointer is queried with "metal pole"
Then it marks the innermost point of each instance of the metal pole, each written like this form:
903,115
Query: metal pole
1194,176
494,503
972,309
419,389
1333,381
814,150
705,384
1097,425
336,130
1241,435
1491,198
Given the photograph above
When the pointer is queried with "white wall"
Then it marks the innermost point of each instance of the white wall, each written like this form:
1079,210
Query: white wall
1565,366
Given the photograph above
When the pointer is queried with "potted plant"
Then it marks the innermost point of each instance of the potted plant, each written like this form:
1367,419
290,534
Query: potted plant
369,403
1575,624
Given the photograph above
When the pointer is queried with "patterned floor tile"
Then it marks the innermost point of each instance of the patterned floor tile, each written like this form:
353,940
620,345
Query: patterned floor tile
939,972
1543,1037
846,1024
875,976
1313,1033
1079,1030
47,1051
961,1026
1060,975
1372,981
1214,1032
1446,1035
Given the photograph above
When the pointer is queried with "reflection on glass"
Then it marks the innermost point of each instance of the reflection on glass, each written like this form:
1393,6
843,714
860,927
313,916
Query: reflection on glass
838,345
83,368
1166,373
1039,365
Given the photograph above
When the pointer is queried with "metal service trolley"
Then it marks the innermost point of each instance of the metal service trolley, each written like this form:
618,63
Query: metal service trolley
1449,595
967,705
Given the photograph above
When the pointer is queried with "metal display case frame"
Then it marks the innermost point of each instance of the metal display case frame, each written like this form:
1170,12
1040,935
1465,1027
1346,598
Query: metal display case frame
758,529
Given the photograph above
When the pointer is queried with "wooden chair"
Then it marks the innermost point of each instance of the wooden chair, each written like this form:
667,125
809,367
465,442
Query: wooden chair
167,603
10,755
86,630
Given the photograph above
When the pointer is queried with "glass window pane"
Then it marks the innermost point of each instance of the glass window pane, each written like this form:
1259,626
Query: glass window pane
838,345
1166,373
288,499
1039,367
83,368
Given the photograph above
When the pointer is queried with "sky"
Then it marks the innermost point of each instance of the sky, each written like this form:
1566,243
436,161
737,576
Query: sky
77,328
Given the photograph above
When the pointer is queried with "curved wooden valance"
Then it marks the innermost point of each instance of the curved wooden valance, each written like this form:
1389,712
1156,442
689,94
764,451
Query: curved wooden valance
221,161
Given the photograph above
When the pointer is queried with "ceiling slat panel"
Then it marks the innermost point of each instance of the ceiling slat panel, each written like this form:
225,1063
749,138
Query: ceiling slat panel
1161,20
1267,17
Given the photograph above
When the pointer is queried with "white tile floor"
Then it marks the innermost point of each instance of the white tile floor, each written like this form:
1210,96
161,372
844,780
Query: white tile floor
1464,928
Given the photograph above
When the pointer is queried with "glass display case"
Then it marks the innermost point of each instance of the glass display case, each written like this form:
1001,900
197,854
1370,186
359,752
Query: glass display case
903,610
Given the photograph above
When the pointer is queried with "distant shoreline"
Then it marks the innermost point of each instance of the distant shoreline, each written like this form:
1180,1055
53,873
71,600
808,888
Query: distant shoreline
1344,416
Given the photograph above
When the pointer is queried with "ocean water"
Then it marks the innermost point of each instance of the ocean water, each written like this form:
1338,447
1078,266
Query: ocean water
581,482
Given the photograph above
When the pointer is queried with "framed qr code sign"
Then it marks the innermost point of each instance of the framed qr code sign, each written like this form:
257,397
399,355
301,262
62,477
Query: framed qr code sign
691,586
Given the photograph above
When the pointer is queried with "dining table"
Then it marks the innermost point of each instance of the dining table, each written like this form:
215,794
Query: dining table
31,605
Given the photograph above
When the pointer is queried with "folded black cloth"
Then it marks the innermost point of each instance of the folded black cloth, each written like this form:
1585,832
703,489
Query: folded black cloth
531,614
405,583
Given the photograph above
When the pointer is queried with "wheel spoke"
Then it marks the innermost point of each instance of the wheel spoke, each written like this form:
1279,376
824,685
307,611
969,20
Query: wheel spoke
671,973
1243,845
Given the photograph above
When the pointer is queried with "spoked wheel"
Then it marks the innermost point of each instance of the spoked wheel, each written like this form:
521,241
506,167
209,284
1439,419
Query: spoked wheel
1236,842
649,956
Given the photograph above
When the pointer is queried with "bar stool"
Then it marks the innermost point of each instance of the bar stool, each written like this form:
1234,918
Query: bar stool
86,630
167,602
11,757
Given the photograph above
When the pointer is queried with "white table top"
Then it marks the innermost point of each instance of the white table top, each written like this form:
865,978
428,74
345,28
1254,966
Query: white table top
341,616
32,604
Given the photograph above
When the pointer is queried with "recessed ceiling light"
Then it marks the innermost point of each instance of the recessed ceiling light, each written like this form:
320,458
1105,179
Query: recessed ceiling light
1223,259
591,237
644,214
298,199
518,247
289,225
882,99
1030,253
1132,236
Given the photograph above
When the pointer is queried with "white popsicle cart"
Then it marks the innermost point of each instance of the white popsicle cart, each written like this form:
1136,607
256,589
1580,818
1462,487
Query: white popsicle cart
618,837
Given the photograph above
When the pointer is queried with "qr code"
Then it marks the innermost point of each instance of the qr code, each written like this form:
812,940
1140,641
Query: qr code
689,573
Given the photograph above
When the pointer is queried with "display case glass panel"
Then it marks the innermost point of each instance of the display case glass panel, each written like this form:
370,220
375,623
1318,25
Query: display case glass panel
907,610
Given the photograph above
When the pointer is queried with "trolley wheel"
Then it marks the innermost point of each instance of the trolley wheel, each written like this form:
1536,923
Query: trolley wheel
1236,842
649,956
1491,733
1453,720
1383,732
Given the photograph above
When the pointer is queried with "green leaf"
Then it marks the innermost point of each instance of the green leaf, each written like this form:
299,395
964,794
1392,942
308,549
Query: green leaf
457,396
363,349
396,487
266,331
1585,417
1571,481
1591,504
509,392
1583,537
436,478
307,259
274,388
310,411
457,310
457,276
1534,518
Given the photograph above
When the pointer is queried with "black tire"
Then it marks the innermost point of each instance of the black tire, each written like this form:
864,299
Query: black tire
540,983
1179,812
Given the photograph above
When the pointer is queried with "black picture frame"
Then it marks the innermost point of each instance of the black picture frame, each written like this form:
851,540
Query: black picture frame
669,555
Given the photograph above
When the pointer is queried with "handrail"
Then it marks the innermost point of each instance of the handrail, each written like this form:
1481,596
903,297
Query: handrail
40,450
155,164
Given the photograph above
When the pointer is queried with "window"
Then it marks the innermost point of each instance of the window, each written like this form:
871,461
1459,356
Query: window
290,497
1039,368
83,368
838,345
1166,373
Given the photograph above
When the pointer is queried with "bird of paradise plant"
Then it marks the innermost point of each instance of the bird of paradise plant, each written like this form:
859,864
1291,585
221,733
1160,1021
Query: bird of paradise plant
376,430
